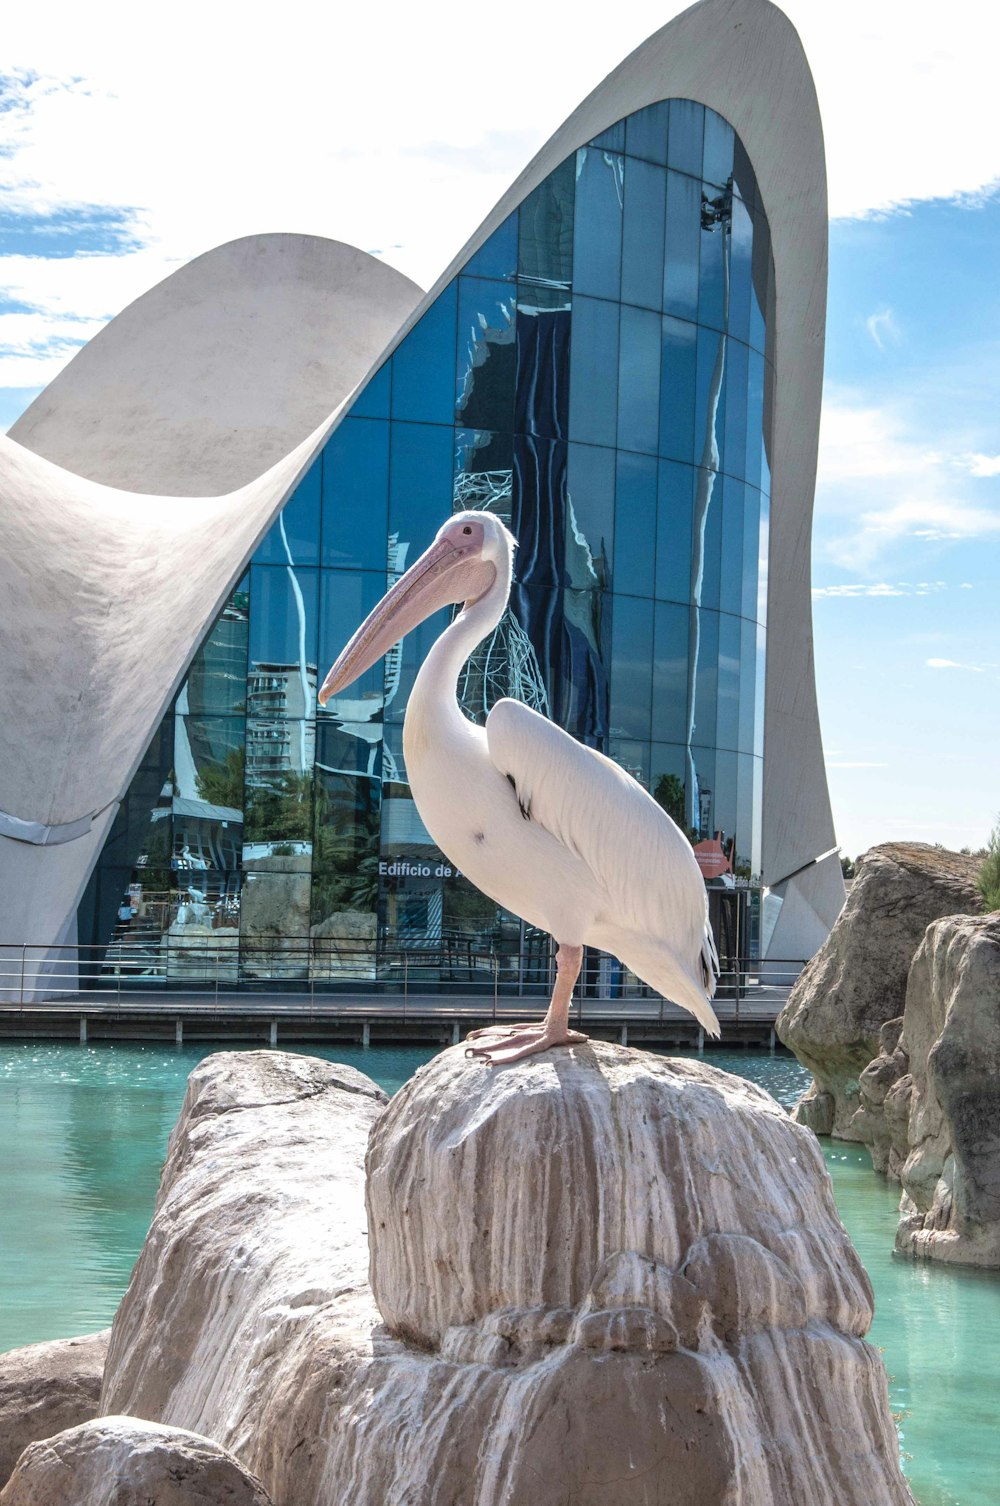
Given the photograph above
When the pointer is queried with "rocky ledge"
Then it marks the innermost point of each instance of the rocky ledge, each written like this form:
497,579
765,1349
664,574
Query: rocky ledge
45,1388
856,983
602,1276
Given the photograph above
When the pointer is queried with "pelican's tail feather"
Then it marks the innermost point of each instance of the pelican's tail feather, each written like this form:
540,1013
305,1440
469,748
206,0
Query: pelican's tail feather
659,966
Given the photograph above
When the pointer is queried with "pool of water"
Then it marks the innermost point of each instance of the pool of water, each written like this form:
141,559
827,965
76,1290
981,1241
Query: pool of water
84,1129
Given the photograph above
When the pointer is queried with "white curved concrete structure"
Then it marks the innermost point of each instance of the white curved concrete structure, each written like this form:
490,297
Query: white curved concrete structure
108,593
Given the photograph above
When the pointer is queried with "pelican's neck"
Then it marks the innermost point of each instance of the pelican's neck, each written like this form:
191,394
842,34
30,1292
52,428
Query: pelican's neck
433,701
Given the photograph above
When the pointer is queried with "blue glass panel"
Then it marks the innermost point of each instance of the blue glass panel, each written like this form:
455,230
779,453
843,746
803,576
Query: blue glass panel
741,271
635,524
498,257
538,511
751,551
373,400
755,418
682,245
402,666
294,534
700,784
631,666
684,141
748,691
590,530
420,484
346,598
760,280
278,821
568,634
633,757
484,468
281,679
705,659
734,444
356,494
758,728
597,225
712,283
710,398
545,247
593,382
728,723
646,133
747,860
765,461
724,804
763,536
423,367
543,360
731,575
639,380
613,139
677,395
708,513
642,234
668,771
216,683
718,150
486,356
670,672
673,531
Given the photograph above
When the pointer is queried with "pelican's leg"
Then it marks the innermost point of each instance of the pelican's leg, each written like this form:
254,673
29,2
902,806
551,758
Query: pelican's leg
524,1040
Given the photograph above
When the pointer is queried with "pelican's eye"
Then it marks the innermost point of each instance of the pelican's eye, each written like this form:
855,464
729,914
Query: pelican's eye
466,529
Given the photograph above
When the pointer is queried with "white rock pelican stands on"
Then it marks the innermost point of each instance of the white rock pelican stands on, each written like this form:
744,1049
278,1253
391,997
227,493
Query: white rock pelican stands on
546,827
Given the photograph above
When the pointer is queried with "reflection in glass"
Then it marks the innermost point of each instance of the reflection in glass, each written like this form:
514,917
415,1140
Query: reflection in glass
593,379
486,354
677,390
356,495
591,514
217,679
682,246
484,472
281,679
538,510
296,528
543,346
646,133
420,484
545,249
642,234
631,667
423,366
718,150
675,507
278,821
670,673
685,136
497,257
635,524
597,235
639,380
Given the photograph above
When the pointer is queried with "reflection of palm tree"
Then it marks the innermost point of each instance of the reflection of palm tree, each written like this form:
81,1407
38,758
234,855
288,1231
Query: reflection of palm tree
715,214
300,607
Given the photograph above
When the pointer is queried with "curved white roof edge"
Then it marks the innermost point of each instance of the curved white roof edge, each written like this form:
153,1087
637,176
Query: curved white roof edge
138,579
216,373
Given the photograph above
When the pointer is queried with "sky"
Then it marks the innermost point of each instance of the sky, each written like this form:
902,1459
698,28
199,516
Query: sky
132,140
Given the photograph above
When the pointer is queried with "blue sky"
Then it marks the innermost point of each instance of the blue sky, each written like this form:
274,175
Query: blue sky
121,160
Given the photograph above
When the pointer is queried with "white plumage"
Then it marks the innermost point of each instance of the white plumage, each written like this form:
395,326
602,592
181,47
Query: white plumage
548,828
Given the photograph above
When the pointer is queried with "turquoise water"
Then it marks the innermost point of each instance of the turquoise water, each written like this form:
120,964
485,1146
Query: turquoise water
84,1128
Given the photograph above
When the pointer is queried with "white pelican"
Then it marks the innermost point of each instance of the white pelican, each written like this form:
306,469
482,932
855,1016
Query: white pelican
546,827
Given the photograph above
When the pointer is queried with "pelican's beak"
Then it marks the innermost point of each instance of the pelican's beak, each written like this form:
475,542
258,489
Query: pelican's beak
446,573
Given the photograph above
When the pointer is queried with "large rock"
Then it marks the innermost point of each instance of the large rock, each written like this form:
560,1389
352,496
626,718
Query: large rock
857,980
885,1088
950,1208
45,1388
251,1289
605,1278
120,1461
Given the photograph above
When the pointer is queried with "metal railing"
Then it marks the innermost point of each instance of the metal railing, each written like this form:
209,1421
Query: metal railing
457,974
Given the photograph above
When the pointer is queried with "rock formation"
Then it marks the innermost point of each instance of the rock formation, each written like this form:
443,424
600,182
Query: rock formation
45,1388
857,980
604,1277
120,1461
884,1091
950,1208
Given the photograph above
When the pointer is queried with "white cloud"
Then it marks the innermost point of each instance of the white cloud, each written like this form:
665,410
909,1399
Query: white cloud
883,328
976,669
852,590
879,484
980,465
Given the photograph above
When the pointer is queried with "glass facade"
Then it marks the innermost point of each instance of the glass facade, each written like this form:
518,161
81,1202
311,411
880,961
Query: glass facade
599,375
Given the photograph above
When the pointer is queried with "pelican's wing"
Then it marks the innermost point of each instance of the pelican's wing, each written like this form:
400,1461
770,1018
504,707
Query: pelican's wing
594,808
